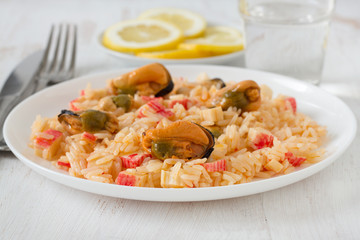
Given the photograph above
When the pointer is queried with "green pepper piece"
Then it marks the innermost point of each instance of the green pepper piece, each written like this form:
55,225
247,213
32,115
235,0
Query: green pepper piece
123,101
93,120
215,131
234,99
162,150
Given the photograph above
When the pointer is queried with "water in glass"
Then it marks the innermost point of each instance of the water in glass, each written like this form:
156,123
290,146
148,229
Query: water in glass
287,37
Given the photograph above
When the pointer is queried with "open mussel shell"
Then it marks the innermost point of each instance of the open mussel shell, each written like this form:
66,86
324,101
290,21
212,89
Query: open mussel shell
152,79
244,95
87,121
218,82
210,147
181,139
167,89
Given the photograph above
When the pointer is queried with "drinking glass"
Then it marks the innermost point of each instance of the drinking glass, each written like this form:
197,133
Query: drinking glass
287,36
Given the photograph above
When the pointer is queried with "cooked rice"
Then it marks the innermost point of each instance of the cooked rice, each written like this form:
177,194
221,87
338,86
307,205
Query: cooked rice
101,160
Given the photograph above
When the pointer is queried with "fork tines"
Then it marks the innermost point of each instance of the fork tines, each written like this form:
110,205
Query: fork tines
58,62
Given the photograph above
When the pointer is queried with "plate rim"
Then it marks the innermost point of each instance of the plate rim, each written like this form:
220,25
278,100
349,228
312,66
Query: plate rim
274,182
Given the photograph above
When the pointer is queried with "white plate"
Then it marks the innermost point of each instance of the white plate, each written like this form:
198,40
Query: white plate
134,60
320,105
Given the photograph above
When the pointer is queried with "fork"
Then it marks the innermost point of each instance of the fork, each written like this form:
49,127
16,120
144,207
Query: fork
55,71
55,66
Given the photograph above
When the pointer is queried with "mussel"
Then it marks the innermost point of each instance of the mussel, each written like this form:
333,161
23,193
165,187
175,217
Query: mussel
151,79
244,95
217,82
181,139
88,121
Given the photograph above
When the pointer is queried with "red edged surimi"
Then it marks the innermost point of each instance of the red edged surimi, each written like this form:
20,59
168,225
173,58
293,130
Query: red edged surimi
217,166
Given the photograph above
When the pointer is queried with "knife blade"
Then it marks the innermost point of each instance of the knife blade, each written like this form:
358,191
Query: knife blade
17,87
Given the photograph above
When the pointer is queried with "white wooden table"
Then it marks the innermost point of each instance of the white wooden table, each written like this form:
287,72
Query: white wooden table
324,206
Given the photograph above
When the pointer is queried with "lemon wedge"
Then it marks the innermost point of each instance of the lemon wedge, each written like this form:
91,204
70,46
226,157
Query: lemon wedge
192,24
217,39
142,36
175,54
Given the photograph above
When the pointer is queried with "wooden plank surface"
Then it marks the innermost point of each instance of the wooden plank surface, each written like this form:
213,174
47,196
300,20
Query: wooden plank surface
324,206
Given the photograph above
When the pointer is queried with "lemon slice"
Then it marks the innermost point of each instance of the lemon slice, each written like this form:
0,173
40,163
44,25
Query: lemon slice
142,36
192,24
175,54
217,39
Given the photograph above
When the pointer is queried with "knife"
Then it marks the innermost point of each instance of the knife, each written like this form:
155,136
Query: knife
18,86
